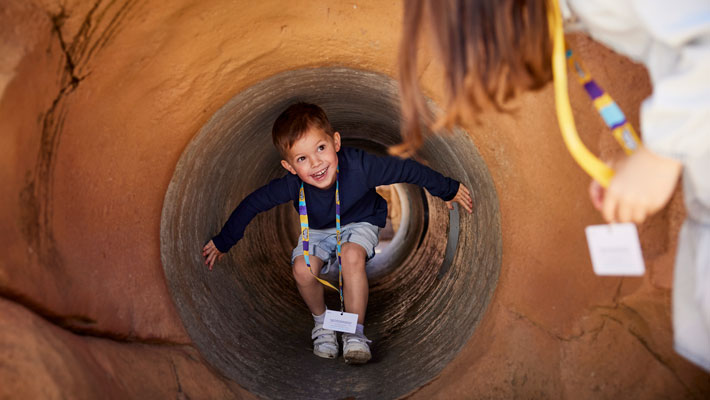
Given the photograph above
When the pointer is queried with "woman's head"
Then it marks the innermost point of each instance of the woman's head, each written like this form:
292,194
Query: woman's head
491,50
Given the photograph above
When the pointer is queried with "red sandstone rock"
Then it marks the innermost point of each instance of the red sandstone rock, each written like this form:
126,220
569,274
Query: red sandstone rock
42,361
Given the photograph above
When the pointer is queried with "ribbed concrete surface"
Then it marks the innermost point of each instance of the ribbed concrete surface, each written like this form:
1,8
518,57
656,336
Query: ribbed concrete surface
246,316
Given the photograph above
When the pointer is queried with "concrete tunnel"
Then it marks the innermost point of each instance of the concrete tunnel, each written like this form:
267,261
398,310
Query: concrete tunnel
131,130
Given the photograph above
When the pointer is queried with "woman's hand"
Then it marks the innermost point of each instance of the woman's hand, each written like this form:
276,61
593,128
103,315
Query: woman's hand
463,197
642,185
211,254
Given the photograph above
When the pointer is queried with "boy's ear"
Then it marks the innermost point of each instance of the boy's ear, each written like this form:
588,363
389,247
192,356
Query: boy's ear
336,139
288,167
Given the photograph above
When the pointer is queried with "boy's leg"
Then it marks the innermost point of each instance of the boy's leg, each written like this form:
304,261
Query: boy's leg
355,291
311,290
325,343
355,287
359,241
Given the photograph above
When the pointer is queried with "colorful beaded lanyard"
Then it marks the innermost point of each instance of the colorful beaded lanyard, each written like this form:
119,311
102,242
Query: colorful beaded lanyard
610,112
607,108
305,235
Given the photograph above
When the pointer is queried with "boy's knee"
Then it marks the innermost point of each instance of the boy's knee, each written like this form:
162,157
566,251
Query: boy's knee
298,268
301,272
353,257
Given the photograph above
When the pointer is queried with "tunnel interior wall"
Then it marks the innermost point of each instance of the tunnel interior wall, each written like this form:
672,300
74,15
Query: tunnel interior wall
246,316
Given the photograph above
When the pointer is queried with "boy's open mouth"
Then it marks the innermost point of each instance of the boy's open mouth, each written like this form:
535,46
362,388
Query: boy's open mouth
320,174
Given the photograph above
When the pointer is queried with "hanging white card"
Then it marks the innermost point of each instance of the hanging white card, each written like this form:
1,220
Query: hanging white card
340,321
615,249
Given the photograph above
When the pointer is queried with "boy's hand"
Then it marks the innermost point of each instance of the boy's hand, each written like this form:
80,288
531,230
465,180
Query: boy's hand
643,184
211,254
463,197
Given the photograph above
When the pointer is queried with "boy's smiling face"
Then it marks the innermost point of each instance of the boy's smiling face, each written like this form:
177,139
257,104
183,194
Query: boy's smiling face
313,157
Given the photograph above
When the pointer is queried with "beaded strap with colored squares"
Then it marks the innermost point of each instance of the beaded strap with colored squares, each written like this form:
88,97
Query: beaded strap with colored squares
610,112
303,212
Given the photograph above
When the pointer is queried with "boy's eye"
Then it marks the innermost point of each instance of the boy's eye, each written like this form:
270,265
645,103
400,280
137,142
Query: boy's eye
299,159
321,147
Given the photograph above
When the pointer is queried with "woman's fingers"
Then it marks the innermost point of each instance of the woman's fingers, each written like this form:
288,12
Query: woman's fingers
596,194
643,184
609,206
623,211
639,214
616,209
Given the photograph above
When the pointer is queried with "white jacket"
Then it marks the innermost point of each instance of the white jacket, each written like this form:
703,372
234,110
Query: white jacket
672,39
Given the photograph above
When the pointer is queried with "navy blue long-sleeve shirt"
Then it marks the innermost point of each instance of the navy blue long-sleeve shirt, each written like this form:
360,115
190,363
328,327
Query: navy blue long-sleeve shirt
360,173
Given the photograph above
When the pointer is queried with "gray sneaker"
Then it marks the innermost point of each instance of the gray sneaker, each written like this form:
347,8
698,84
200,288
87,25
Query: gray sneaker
325,343
356,349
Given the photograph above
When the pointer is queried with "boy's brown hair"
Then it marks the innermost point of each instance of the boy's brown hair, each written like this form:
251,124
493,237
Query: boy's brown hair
491,51
294,122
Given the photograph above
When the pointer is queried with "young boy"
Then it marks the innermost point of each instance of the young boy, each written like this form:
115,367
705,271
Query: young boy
312,153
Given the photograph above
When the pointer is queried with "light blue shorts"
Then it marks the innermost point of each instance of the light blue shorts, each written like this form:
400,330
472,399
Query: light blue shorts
323,242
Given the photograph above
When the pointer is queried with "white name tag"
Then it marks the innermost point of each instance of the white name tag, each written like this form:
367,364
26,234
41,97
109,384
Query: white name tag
615,249
341,322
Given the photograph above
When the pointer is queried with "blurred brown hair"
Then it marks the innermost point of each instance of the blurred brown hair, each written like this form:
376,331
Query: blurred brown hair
491,51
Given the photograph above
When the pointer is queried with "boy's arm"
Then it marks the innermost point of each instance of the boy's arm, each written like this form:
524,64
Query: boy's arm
266,197
211,254
388,170
463,197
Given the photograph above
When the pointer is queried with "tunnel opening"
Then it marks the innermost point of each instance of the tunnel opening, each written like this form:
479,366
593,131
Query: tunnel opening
429,287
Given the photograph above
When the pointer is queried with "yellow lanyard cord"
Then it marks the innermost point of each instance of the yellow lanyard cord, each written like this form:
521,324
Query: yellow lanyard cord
601,172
